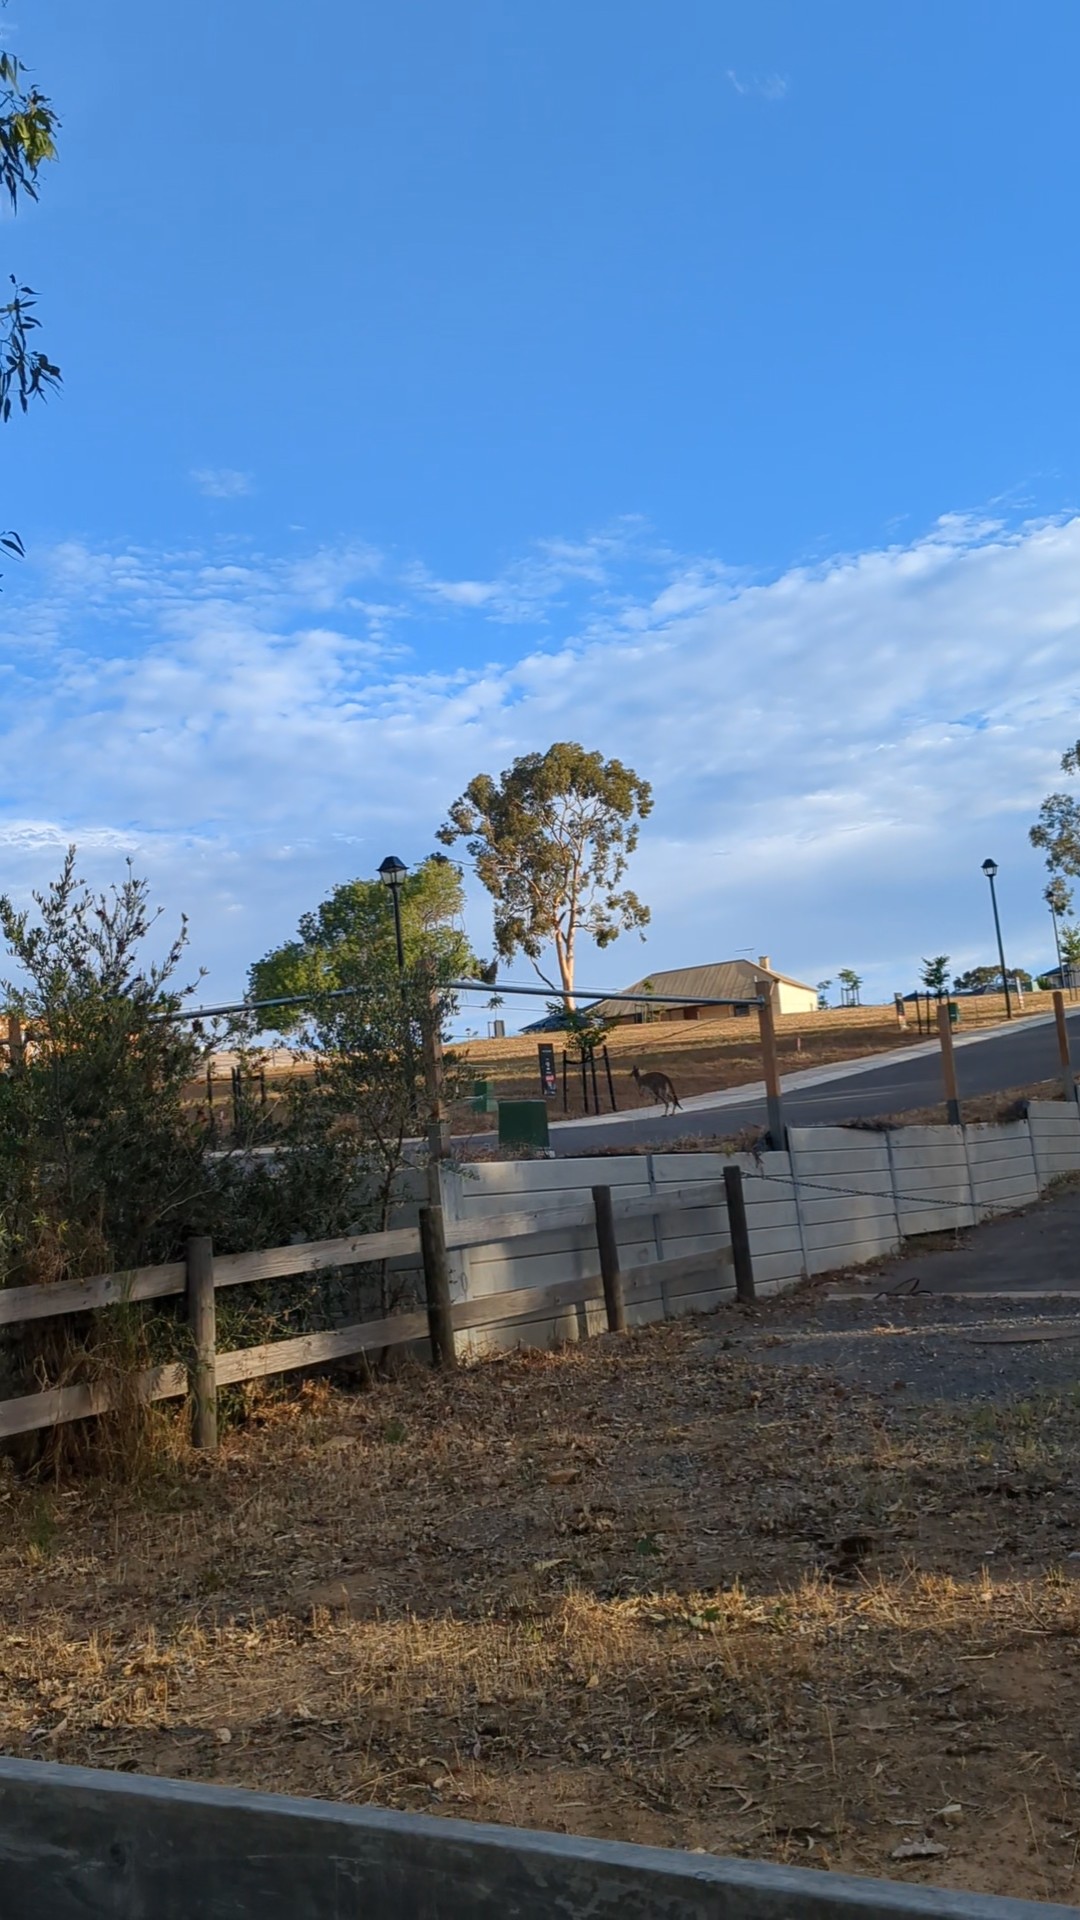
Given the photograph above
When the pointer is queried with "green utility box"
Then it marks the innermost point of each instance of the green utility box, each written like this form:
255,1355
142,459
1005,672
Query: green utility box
954,1014
483,1097
524,1123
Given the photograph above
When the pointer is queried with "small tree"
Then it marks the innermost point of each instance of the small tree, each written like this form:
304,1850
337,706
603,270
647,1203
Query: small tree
1057,830
1070,951
823,994
351,936
1058,897
588,1029
100,1155
550,840
935,975
977,980
850,986
366,1097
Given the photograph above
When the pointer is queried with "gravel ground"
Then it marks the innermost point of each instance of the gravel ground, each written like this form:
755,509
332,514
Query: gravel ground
927,1324
929,1349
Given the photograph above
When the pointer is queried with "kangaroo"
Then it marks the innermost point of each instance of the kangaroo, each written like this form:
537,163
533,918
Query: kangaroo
659,1086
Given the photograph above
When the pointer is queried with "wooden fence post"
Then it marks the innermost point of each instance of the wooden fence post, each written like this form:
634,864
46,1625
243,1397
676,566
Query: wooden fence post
1068,1077
609,1259
948,1066
202,1318
771,1065
437,1287
740,1234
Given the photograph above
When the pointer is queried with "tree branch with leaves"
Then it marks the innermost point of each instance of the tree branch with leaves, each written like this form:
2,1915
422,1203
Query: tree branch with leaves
1057,829
28,128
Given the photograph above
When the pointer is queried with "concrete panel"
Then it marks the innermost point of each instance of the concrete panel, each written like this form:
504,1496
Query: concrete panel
856,1253
935,1220
877,1206
82,1845
1055,1113
508,1177
999,1143
780,1267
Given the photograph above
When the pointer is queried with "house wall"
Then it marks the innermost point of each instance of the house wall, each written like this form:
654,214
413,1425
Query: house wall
791,999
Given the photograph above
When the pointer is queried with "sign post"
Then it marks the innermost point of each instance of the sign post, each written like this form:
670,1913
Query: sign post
549,1084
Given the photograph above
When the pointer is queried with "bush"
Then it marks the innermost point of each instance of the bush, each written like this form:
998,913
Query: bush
107,1163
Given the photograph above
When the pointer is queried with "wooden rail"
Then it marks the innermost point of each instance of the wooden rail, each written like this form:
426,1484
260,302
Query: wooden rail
20,1304
198,1378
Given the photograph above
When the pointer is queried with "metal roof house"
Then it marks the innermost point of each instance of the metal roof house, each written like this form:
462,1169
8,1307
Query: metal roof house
722,980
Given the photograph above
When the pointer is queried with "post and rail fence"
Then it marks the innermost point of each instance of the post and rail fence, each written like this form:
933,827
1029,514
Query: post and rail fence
201,1273
953,1107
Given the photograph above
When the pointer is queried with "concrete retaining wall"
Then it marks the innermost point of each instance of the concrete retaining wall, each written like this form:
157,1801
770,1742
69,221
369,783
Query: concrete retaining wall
491,1188
844,1188
839,1196
83,1845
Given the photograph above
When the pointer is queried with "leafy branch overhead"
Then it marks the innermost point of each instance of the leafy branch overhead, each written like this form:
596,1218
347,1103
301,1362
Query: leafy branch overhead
28,127
551,840
25,372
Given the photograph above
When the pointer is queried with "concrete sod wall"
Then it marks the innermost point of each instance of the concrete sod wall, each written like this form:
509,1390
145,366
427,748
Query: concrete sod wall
82,1845
844,1189
676,1231
837,1197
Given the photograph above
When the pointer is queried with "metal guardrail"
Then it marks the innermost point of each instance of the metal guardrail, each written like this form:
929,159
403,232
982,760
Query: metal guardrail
76,1844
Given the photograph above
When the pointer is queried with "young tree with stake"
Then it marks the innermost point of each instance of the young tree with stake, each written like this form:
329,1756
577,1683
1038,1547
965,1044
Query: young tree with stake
935,975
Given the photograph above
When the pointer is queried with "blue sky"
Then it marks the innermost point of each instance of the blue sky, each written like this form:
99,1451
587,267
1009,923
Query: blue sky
699,382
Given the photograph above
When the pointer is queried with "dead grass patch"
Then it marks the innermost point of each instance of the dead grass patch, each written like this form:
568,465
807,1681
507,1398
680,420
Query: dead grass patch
1011,1103
640,1589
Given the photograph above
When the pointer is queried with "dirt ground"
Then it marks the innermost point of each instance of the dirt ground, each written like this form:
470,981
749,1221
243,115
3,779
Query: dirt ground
714,1584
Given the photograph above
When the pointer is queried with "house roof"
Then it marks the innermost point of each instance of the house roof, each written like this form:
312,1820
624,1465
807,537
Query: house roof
723,980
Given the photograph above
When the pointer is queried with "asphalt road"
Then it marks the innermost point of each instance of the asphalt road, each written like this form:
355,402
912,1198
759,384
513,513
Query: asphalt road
987,1063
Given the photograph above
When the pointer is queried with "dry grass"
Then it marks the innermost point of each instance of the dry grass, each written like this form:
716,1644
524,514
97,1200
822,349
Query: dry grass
640,1589
981,1109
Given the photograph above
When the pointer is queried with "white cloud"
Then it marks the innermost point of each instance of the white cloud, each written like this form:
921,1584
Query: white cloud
854,738
221,483
769,86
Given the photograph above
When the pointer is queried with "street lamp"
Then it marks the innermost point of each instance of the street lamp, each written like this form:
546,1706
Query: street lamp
990,868
392,874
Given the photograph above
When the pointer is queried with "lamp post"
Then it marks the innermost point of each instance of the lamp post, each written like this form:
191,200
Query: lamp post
990,868
392,874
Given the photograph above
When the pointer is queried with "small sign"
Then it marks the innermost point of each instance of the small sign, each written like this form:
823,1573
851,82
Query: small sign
549,1085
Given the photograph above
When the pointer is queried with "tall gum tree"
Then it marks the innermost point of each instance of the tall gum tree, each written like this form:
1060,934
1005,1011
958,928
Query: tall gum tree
551,840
